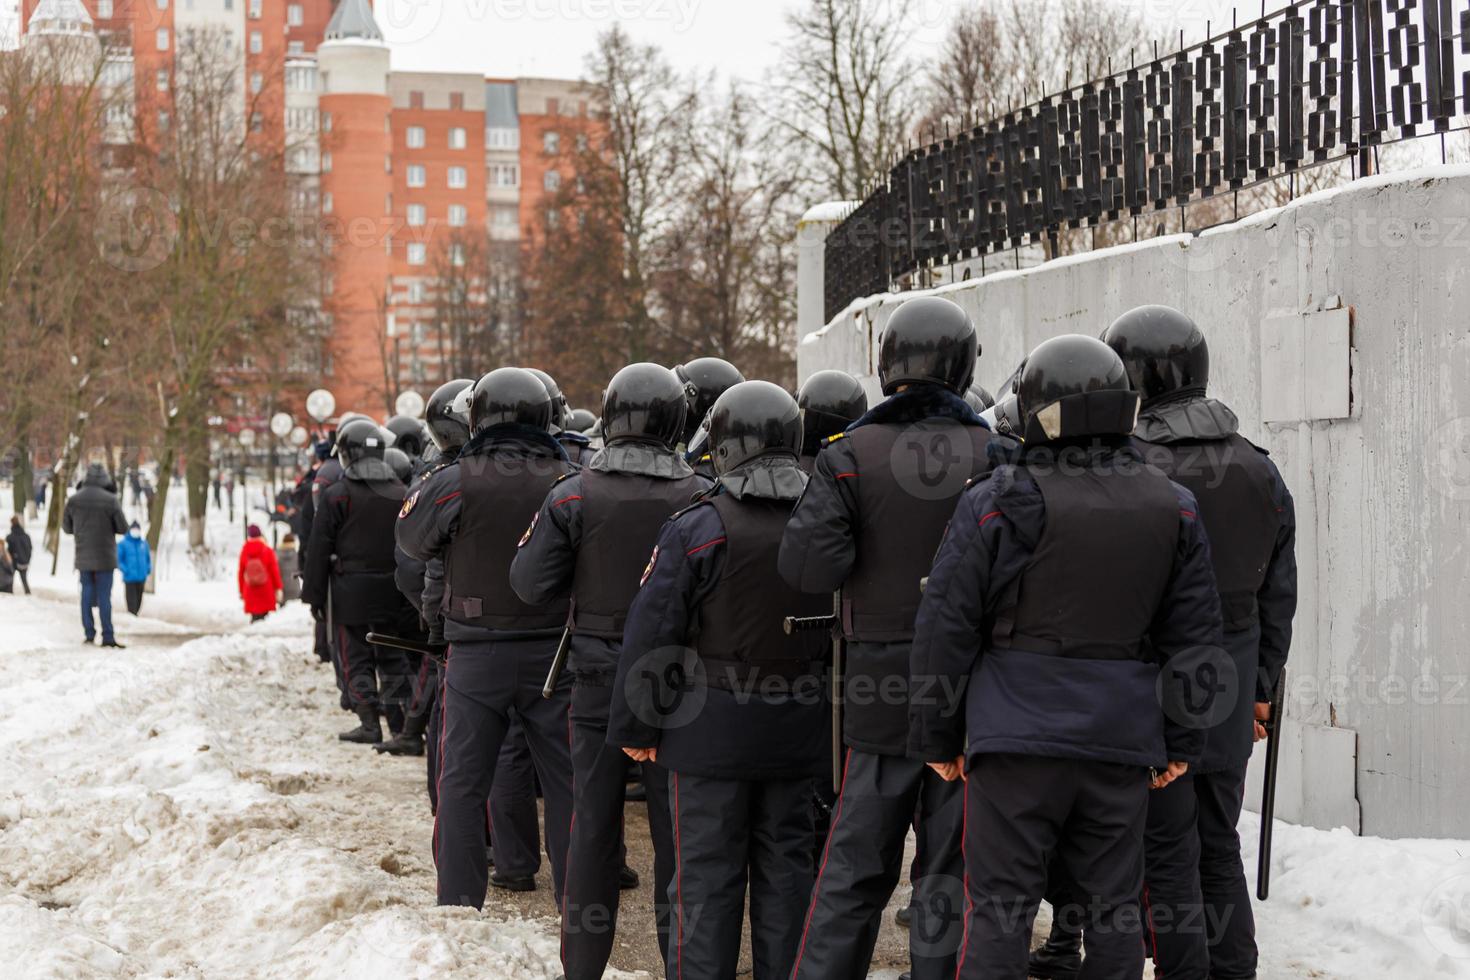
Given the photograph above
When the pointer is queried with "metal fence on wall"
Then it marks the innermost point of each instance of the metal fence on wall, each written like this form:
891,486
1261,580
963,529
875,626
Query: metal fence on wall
1316,82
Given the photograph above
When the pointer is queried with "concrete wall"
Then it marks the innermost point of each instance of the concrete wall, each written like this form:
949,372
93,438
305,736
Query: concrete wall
1339,330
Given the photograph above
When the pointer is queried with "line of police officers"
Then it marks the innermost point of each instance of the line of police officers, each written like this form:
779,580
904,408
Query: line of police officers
1059,620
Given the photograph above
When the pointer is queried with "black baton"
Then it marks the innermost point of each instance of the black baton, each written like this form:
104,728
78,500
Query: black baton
1268,787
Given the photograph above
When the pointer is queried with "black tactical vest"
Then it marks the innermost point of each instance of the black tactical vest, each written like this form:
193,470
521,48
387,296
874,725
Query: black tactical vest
908,480
1231,481
499,496
740,638
365,539
1095,581
621,517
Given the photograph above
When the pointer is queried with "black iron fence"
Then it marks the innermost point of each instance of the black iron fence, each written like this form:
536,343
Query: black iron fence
1316,82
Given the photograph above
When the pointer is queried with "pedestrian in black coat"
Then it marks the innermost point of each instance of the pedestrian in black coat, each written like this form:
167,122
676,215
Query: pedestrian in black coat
19,543
94,517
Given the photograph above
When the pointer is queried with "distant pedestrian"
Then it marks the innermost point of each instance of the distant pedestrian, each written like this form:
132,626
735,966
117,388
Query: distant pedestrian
19,544
136,563
7,570
94,516
259,576
288,559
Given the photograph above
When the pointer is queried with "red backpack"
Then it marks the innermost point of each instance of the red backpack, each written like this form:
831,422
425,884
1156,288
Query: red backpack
255,573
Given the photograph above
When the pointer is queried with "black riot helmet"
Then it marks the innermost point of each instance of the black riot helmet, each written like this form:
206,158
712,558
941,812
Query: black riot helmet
581,420
1075,386
559,407
447,414
643,403
399,463
509,396
978,398
360,438
705,379
830,401
753,418
408,434
1162,350
1004,416
928,339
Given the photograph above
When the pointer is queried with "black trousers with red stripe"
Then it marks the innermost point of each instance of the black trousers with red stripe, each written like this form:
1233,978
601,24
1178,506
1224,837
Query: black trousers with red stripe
1196,897
732,834
590,913
1019,812
486,686
373,676
861,866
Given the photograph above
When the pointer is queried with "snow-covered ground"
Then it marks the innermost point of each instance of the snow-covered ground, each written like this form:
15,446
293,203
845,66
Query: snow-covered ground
182,808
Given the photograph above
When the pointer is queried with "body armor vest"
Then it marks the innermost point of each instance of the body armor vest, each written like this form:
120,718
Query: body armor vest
365,539
740,637
1095,581
622,514
1232,483
909,478
496,507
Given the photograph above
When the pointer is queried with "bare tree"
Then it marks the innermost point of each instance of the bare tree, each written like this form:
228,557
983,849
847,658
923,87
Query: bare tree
646,109
838,91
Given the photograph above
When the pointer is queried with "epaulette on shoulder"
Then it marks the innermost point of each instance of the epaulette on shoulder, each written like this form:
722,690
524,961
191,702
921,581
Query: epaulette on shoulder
704,496
705,458
566,476
833,438
1260,449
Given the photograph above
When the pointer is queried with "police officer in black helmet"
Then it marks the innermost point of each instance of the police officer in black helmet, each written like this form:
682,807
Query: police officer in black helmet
1197,894
705,379
868,523
469,514
830,401
576,445
591,539
408,436
350,565
744,738
1071,593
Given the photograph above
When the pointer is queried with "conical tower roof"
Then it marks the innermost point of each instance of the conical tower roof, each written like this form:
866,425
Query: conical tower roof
352,20
60,17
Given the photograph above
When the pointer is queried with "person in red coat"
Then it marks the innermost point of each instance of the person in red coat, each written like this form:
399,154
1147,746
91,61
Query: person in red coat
259,576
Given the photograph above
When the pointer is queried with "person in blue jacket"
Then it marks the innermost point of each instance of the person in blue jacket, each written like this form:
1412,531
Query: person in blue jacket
135,562
1066,620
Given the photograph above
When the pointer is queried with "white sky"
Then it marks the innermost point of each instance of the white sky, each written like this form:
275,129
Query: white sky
734,37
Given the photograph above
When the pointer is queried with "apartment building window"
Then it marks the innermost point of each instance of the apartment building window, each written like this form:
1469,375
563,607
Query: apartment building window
257,122
581,142
387,163
293,14
257,82
415,292
295,47
456,254
161,80
416,175
505,175
552,107
255,9
551,141
456,138
417,215
162,120
326,202
388,203
456,101
326,163
553,218
415,100
458,215
104,9
326,122
255,45
457,177
505,217
415,137
418,253
229,4
301,78
160,39
552,181
119,115
502,138
162,4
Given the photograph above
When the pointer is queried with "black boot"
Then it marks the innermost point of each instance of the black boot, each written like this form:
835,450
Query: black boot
410,741
627,878
368,732
1059,958
513,883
